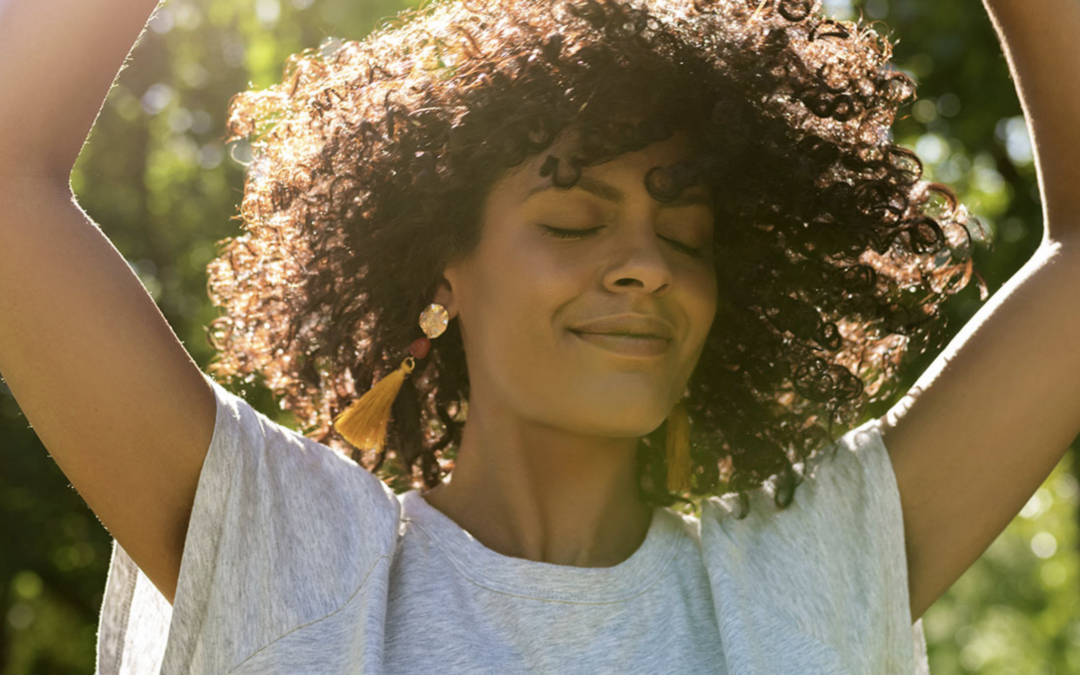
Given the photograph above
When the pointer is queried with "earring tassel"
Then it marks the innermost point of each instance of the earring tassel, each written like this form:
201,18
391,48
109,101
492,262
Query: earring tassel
678,449
363,424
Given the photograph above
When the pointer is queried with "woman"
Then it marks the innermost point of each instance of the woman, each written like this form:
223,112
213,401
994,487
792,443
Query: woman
594,257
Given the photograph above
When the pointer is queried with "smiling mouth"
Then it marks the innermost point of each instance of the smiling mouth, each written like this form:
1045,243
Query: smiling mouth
627,344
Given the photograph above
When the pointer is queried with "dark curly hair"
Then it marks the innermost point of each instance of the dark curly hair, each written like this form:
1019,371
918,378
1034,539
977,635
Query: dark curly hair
371,161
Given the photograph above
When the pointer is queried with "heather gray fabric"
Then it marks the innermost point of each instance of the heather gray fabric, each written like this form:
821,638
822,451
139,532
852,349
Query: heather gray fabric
297,560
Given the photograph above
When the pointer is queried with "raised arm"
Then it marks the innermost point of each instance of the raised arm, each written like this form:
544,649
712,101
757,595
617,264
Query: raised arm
96,369
987,422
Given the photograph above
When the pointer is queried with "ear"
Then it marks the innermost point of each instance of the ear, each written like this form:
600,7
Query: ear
444,294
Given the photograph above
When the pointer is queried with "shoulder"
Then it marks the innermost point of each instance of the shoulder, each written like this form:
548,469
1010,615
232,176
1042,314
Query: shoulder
307,514
832,563
839,480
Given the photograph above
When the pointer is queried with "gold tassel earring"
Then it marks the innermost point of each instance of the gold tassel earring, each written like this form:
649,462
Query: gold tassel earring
678,449
363,424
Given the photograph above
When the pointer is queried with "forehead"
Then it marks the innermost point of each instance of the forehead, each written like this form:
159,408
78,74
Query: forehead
609,180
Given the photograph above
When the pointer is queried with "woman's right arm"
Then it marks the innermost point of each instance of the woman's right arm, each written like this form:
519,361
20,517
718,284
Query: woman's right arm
106,384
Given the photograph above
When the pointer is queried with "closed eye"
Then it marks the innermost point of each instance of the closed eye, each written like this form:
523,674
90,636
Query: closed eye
570,234
559,233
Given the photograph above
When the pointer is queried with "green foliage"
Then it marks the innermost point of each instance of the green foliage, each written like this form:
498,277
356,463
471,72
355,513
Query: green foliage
1016,610
165,188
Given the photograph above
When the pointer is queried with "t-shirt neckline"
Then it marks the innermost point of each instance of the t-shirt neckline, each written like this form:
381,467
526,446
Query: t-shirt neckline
548,581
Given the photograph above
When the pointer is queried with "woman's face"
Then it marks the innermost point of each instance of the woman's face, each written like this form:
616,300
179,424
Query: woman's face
536,307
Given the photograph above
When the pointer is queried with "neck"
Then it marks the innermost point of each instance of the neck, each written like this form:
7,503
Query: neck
531,491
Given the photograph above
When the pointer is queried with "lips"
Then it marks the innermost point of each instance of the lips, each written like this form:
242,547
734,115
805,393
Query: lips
629,325
627,346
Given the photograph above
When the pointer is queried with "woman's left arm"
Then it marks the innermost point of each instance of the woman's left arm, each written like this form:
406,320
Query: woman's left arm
988,421
1041,44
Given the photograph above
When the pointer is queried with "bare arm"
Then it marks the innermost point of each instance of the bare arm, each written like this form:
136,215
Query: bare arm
1043,50
987,422
98,372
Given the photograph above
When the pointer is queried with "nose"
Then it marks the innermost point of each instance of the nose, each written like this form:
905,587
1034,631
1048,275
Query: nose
639,263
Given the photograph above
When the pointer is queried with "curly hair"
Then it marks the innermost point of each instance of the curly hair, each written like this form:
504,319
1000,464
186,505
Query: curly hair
371,161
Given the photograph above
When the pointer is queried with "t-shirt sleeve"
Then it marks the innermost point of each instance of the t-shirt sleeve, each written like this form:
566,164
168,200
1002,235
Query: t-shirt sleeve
282,532
831,566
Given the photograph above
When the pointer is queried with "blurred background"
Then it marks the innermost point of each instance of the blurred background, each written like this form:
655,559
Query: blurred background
164,187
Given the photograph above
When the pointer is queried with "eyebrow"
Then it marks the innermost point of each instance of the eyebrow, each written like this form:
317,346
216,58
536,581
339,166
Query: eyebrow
608,192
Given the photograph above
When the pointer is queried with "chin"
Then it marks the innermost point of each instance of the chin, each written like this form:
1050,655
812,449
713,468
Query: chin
622,422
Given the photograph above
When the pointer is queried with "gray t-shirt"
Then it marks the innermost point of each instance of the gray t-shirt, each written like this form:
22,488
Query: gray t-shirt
297,560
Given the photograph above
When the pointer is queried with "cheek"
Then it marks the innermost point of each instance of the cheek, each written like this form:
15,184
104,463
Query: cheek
699,300
520,353
699,292
531,281
516,306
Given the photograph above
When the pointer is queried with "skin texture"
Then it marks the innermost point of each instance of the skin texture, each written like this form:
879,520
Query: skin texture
546,469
